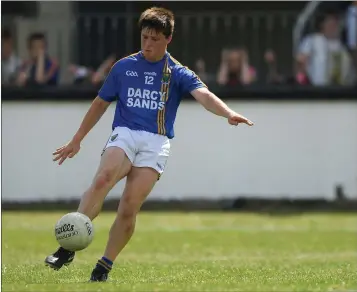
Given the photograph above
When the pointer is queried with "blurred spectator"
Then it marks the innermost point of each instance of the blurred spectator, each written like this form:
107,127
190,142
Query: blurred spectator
200,70
10,63
273,76
40,69
299,76
103,70
81,74
84,74
351,24
235,68
324,56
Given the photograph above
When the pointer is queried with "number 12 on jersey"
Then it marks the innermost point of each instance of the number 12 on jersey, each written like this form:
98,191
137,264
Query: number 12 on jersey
149,80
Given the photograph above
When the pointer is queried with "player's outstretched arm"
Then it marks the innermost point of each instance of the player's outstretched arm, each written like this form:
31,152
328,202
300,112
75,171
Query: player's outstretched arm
215,105
95,112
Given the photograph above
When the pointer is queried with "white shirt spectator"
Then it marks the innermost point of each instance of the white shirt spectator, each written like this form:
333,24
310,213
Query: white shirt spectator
328,61
9,69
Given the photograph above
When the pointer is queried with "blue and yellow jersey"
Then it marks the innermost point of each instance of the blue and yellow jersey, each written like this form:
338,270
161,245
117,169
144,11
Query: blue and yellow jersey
148,94
51,69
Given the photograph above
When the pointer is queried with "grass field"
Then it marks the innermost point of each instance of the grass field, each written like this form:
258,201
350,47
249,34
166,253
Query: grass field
191,252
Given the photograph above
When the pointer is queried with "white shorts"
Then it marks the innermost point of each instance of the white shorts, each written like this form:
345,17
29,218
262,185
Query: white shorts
143,149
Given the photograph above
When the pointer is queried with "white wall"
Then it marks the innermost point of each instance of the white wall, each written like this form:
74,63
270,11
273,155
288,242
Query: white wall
294,150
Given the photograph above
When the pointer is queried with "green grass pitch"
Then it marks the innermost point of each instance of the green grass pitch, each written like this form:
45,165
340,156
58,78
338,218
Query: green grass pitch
191,252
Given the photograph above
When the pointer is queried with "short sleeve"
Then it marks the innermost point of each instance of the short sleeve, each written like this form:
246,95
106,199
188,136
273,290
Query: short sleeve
110,88
189,81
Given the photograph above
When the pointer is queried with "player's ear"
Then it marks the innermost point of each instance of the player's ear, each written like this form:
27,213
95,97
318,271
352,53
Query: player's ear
169,39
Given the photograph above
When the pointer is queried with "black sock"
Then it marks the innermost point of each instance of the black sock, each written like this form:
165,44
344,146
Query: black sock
104,265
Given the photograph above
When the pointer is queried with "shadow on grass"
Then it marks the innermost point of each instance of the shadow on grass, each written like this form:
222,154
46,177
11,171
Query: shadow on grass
242,204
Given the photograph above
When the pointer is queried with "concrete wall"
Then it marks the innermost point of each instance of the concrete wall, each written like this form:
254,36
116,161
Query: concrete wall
295,150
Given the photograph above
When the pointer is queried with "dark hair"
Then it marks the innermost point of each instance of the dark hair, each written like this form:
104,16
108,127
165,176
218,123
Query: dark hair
159,19
330,14
35,37
321,18
6,34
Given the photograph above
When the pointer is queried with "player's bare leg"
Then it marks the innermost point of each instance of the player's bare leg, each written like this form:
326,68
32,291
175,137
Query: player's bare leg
113,167
140,182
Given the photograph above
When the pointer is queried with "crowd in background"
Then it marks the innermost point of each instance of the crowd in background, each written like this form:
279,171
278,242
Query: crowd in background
38,68
327,56
324,57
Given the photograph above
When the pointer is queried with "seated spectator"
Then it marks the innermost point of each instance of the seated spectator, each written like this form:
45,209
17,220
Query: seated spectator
235,68
326,60
40,69
299,76
273,76
10,63
84,74
200,70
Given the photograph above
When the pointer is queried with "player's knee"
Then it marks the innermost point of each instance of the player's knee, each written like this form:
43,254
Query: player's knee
129,208
128,213
104,179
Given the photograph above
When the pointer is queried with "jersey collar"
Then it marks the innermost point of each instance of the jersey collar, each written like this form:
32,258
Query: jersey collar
167,55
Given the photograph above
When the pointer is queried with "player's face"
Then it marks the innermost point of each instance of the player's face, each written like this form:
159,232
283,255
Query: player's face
330,27
36,47
234,61
153,44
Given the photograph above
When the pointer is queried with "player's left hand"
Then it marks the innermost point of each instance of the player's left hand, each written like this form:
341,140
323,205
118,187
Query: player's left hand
235,119
67,151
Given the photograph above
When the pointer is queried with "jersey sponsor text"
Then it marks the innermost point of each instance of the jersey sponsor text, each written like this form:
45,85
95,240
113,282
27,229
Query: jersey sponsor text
144,98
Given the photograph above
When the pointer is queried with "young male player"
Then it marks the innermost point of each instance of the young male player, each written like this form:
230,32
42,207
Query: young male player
148,87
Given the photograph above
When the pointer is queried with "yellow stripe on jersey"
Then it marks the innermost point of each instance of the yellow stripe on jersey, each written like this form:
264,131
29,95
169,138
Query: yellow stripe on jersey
178,63
163,111
166,90
124,58
165,85
129,56
175,61
159,127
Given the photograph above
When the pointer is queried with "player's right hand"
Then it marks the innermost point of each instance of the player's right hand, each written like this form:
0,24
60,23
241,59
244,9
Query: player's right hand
235,119
67,151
